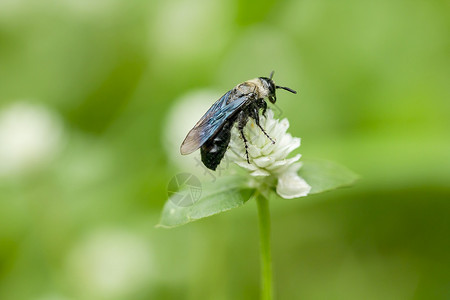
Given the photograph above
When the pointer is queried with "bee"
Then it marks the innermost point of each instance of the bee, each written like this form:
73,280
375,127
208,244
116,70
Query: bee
212,132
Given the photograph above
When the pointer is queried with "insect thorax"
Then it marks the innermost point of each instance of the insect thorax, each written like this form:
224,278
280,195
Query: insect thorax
253,86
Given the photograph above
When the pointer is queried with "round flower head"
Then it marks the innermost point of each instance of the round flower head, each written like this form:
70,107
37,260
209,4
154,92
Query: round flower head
270,159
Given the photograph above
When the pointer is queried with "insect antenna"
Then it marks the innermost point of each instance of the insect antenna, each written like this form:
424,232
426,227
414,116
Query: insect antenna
286,88
271,74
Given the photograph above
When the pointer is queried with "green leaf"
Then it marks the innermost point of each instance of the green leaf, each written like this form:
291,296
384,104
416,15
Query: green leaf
233,191
324,175
221,195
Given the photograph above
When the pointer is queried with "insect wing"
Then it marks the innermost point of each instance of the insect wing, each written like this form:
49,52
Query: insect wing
211,122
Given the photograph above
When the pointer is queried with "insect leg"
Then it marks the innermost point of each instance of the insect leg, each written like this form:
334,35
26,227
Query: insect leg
255,115
242,120
262,104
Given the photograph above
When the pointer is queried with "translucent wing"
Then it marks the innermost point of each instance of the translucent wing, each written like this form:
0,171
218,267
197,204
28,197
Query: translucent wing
211,122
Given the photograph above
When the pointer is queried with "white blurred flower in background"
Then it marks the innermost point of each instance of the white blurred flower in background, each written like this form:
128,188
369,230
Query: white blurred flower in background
181,25
183,116
111,264
30,136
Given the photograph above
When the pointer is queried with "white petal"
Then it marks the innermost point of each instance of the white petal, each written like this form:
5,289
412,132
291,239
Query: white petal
290,185
253,151
287,168
236,155
251,131
259,139
286,149
295,167
275,133
260,172
285,164
286,139
270,126
246,165
284,124
263,161
268,148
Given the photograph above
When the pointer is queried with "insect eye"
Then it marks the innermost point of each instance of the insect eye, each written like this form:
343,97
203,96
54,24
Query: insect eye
272,88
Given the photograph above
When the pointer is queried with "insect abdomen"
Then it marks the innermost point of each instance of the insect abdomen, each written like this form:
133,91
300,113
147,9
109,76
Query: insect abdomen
214,149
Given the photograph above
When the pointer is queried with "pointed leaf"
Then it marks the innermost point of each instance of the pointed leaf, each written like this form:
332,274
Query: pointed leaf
221,195
323,175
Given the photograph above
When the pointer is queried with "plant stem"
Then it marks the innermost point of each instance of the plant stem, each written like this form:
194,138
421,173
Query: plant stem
266,257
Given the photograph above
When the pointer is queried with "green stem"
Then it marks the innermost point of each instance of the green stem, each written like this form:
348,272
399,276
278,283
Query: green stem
266,257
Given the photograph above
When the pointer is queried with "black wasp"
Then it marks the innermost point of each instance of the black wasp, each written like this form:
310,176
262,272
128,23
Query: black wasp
212,133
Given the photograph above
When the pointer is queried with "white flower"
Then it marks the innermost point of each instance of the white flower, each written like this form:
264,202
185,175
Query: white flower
183,115
30,135
270,159
110,264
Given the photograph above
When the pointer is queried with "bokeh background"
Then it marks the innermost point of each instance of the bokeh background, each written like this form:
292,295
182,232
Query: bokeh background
92,96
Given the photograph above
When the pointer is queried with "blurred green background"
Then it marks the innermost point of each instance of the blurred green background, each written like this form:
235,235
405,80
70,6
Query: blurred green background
86,91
